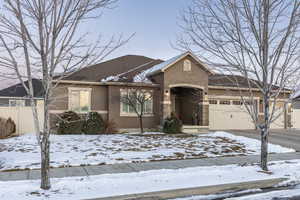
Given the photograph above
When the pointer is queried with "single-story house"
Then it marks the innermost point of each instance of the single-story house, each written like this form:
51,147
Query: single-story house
173,84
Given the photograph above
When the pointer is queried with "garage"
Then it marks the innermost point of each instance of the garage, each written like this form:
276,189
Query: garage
296,114
228,114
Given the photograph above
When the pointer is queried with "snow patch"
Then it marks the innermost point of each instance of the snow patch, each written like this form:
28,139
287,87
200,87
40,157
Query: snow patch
252,143
146,181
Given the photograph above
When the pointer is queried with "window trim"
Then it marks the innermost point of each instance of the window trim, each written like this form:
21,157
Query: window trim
70,89
128,114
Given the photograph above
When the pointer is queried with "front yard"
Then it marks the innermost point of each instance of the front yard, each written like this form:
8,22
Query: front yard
74,150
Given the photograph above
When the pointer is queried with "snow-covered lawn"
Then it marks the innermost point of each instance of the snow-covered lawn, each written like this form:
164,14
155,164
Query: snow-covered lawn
73,150
146,181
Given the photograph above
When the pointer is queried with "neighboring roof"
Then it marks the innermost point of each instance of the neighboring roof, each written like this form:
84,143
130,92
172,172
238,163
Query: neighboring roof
113,68
165,65
19,91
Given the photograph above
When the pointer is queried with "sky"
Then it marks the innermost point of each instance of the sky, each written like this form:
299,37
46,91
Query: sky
154,22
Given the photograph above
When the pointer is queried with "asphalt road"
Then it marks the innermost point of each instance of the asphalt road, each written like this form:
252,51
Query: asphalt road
286,138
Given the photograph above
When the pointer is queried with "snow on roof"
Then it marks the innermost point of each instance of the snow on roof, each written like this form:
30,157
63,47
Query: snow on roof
296,94
142,77
110,78
163,64
117,76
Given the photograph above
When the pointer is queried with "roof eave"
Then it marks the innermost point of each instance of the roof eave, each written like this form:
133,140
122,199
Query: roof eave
181,57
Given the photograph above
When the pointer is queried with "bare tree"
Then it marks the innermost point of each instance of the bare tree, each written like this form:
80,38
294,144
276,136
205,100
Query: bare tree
256,40
45,39
139,100
136,99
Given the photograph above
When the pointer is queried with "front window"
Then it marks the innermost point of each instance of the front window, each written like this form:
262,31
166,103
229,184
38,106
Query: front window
128,109
80,99
16,103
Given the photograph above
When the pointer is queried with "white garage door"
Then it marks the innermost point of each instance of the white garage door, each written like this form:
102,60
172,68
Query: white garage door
224,117
278,123
296,118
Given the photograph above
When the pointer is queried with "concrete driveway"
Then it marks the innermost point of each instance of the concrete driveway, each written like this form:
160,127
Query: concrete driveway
287,138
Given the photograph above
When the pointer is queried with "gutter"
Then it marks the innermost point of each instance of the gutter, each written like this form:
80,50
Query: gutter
107,83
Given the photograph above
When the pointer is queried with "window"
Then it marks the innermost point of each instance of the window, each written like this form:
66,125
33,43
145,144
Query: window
127,109
212,101
80,99
225,102
187,66
16,103
235,102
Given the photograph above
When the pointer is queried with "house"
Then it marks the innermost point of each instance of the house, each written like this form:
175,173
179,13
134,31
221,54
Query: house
174,83
15,104
16,95
183,85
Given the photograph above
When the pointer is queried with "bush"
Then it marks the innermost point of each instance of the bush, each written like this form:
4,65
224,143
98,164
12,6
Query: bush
70,123
94,124
7,127
172,124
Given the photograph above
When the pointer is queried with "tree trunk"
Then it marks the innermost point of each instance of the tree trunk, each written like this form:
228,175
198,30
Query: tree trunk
36,119
45,179
265,134
141,124
45,150
264,149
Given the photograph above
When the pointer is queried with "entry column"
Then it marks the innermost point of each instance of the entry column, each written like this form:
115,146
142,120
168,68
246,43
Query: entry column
205,110
166,103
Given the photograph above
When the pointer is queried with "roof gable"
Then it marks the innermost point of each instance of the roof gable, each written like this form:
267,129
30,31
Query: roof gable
169,63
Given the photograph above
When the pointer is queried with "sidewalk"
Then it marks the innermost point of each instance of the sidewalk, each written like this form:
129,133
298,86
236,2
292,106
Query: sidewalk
136,167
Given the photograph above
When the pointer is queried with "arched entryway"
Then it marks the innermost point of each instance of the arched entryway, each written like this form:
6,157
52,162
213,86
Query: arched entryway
186,103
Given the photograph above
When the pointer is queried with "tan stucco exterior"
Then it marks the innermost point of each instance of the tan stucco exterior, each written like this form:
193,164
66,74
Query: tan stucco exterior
105,97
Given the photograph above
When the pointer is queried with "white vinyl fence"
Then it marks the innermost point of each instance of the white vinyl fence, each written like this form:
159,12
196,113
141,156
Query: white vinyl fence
23,117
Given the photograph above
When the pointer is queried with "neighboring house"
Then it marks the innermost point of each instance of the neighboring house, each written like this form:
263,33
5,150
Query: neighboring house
16,95
182,84
15,104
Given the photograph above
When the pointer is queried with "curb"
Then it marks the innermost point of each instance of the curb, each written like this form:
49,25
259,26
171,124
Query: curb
214,189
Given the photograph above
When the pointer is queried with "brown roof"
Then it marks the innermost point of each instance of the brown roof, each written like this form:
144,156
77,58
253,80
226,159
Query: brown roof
125,64
230,81
127,67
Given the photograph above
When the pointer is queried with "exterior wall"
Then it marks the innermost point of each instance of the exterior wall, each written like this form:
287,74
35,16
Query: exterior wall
227,92
98,98
114,108
175,76
159,79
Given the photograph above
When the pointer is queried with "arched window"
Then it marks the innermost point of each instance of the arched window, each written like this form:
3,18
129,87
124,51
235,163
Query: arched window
187,66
